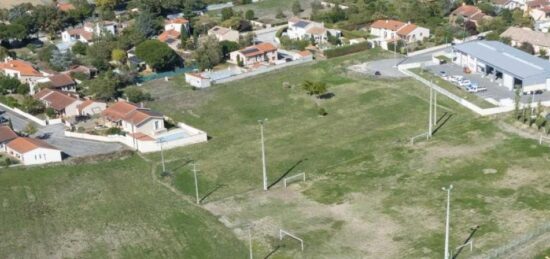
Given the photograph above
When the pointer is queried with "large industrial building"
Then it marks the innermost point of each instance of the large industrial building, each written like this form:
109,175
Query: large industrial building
511,67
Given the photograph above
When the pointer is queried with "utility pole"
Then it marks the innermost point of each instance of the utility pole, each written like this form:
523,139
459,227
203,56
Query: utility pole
435,108
250,241
448,190
162,156
430,117
196,182
264,169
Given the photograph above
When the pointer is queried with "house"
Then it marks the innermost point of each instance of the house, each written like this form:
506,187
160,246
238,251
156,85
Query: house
89,30
507,4
90,108
65,7
393,30
508,66
22,70
197,80
6,135
89,72
305,29
259,53
539,40
467,13
172,38
222,33
176,24
133,119
61,82
33,151
541,13
63,104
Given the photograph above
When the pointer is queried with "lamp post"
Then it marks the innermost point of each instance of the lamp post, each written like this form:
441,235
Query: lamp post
448,190
264,170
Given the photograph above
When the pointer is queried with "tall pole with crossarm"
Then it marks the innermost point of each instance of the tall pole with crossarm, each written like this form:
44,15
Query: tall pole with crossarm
448,190
264,169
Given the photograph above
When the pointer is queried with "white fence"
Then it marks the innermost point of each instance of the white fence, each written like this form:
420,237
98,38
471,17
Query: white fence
423,51
261,71
193,136
31,117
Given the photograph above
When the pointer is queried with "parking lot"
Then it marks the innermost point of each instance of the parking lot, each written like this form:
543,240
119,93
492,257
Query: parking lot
55,136
494,93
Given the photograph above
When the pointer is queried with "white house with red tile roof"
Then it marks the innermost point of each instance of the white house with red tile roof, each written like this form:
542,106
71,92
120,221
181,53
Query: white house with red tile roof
260,53
468,13
392,30
177,24
33,151
6,135
91,107
305,29
22,70
61,82
88,31
63,104
133,119
171,38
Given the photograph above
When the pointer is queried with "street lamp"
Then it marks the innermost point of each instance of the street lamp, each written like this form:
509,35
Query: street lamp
448,190
261,122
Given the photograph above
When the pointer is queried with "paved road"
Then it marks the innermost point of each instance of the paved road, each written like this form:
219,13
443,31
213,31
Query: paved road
266,35
55,136
386,67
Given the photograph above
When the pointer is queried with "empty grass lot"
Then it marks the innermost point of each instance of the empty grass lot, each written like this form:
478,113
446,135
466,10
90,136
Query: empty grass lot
369,193
104,210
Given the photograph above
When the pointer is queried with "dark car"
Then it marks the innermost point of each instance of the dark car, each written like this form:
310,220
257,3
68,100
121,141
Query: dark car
3,120
2,111
377,73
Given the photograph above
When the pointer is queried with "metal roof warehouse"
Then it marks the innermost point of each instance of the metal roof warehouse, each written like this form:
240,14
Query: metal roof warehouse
514,67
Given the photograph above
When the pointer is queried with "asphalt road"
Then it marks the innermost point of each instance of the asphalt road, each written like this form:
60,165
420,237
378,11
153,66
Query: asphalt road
55,136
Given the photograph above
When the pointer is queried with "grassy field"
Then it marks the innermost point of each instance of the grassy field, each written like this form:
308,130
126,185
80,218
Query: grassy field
369,192
108,210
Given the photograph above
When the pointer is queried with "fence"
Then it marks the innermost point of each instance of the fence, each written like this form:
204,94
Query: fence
261,71
517,243
416,53
31,117
178,71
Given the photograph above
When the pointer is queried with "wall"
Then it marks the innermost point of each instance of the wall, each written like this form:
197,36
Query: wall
261,71
31,117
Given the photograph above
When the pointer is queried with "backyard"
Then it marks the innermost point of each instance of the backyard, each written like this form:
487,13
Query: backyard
368,191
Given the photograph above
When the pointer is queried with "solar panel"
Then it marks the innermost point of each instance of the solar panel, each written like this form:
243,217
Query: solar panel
301,24
250,50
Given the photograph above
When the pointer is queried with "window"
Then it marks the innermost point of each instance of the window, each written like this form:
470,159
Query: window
157,125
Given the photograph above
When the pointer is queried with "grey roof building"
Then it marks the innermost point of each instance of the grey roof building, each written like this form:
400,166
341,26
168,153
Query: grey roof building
516,68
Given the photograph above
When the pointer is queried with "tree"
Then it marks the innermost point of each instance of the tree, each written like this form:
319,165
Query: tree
247,40
4,53
157,55
228,47
45,53
249,15
227,13
30,129
31,105
79,48
146,24
527,47
136,95
280,14
118,55
517,100
107,4
60,61
209,53
100,54
9,85
296,7
315,88
102,88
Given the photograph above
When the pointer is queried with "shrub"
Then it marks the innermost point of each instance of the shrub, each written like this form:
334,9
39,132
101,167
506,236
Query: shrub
322,112
113,131
345,50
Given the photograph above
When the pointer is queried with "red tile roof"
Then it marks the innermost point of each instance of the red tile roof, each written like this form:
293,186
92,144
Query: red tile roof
139,116
25,68
65,7
6,134
61,80
23,145
55,99
82,33
404,31
170,34
119,110
392,25
466,10
177,21
258,49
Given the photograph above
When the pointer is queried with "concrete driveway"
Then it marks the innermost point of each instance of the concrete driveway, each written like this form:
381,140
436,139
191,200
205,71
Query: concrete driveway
55,136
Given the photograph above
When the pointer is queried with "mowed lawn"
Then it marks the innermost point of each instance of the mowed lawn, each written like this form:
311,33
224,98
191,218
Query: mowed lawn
369,193
110,209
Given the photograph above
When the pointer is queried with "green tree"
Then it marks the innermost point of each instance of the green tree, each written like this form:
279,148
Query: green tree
102,88
209,53
315,88
31,105
527,47
60,61
157,55
118,55
79,48
136,95
249,15
30,129
227,13
296,7
106,4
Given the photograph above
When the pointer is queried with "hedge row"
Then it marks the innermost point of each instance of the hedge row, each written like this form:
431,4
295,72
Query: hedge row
341,51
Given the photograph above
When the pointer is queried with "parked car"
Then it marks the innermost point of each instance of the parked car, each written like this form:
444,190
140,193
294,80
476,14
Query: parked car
464,83
2,111
474,88
456,79
3,120
442,73
377,73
